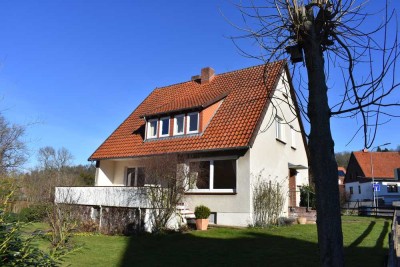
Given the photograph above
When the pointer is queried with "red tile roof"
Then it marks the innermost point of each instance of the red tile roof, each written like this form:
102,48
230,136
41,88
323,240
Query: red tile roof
383,163
231,127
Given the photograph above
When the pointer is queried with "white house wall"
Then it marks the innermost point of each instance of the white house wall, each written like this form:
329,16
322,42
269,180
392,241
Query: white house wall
105,173
270,157
231,209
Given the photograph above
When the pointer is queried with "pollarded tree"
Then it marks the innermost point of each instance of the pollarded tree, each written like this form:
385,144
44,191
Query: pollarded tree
329,36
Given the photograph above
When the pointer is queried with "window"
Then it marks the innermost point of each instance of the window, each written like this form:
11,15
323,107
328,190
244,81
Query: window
293,135
359,189
212,175
279,127
178,124
392,188
135,177
351,190
192,123
152,128
164,127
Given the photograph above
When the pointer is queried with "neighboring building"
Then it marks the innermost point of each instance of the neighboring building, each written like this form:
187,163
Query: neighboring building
341,175
379,167
234,125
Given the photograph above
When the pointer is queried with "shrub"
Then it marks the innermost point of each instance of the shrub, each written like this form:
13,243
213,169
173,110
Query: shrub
35,213
17,249
202,212
307,197
268,201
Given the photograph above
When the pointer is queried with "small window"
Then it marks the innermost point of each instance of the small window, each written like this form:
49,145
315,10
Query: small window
178,124
359,189
164,127
193,122
351,190
293,134
152,128
392,188
279,127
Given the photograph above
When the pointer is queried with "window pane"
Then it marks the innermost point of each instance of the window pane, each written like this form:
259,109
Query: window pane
225,174
199,175
141,177
179,124
165,126
193,122
152,128
130,179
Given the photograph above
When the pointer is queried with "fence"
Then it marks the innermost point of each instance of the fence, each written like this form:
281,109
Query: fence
366,208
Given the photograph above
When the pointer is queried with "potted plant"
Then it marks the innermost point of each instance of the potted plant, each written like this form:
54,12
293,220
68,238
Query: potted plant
202,213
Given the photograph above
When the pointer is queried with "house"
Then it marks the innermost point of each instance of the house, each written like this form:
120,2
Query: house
368,170
236,126
341,175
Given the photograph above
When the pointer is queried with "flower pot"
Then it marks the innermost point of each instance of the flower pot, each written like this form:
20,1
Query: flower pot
302,220
201,224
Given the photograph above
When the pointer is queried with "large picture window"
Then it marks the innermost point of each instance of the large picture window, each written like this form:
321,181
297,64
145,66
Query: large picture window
212,175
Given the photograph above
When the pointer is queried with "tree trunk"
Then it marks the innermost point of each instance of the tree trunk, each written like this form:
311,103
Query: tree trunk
322,158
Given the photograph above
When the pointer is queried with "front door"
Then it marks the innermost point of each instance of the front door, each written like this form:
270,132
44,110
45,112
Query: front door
292,188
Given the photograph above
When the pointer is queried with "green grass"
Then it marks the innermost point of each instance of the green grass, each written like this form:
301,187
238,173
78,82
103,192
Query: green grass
365,240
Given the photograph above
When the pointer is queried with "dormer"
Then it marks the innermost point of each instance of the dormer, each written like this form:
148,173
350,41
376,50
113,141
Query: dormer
193,121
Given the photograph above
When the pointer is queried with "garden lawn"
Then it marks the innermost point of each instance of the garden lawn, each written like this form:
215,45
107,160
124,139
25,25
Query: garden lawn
365,240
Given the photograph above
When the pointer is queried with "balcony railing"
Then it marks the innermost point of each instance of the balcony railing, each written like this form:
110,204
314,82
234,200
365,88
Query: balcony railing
112,196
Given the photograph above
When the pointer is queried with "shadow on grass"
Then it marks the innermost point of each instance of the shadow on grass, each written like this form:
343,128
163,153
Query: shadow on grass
251,248
367,231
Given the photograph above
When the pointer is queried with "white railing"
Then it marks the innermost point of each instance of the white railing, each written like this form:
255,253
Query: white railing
112,196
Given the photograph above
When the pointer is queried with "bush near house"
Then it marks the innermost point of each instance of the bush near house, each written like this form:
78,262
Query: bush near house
307,196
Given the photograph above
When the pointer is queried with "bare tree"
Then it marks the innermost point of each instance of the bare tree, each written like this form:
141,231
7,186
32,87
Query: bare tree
53,170
13,152
165,182
327,35
49,158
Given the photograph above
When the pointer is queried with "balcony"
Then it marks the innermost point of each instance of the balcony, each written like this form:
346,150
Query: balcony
111,196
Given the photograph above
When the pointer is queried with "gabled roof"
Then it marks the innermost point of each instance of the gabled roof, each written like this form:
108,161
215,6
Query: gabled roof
383,163
233,125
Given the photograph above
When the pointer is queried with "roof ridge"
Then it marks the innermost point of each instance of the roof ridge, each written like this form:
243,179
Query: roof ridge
223,73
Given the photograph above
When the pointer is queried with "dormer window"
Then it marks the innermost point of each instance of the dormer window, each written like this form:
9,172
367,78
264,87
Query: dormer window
152,128
164,127
192,123
179,122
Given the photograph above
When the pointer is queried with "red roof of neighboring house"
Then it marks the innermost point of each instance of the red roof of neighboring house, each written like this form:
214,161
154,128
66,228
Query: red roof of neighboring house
383,163
232,126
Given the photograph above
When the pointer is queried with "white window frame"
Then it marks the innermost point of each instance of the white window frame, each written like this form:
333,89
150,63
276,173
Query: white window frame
149,129
188,123
279,129
176,124
293,134
161,126
211,183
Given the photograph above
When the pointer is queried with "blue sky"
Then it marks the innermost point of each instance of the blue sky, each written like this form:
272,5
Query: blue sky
75,70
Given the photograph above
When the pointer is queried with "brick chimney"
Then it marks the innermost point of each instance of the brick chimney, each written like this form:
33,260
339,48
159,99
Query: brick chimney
207,74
